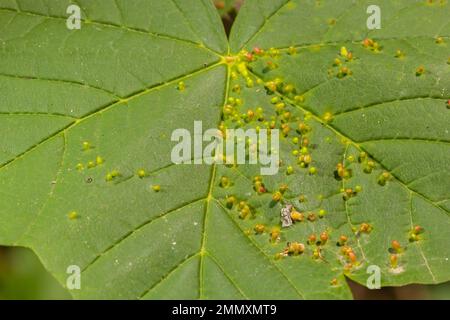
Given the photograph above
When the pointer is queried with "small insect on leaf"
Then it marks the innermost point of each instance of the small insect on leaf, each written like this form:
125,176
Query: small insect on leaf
362,156
156,188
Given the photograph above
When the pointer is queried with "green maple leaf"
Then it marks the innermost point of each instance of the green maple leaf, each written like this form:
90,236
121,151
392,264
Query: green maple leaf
83,111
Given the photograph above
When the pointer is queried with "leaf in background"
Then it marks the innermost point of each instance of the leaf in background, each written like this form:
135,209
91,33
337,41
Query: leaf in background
114,84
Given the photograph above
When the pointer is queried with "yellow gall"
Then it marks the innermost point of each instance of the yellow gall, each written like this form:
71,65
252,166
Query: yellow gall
141,173
327,117
292,50
312,239
181,86
277,196
299,99
365,227
420,71
275,234
99,160
283,188
393,259
86,145
344,52
417,229
342,240
351,256
396,246
231,201
323,237
296,248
